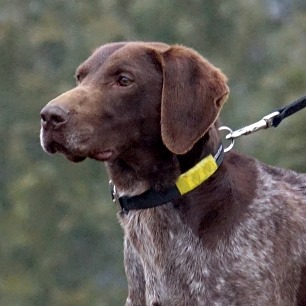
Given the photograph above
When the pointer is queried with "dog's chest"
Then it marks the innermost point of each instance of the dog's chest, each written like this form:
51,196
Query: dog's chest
171,257
180,270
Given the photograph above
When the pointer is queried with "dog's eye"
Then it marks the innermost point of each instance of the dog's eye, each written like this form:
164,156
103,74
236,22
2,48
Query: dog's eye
124,81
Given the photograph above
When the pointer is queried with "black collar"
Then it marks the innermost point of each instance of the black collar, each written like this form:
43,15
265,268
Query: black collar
186,182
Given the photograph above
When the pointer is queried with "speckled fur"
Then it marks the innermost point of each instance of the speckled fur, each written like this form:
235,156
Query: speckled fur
259,264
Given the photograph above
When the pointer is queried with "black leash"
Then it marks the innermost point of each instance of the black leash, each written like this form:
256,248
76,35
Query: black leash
289,110
273,119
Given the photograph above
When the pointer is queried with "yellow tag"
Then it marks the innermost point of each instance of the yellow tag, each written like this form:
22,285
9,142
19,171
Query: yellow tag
196,175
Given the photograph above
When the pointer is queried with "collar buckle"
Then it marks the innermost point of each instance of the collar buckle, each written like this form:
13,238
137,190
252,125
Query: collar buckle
115,196
113,192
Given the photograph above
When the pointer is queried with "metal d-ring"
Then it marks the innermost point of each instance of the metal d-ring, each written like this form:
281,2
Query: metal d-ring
226,128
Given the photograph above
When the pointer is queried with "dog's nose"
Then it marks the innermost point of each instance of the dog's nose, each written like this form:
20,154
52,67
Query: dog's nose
53,116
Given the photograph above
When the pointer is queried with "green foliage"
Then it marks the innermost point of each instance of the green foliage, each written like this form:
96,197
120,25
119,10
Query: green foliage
60,242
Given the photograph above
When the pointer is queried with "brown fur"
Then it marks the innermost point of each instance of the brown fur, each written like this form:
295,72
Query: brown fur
150,111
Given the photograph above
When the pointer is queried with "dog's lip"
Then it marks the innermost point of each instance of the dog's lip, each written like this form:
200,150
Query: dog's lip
104,155
55,147
75,158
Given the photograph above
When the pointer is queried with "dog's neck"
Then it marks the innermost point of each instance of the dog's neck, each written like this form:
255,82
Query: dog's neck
207,145
225,192
152,166
143,166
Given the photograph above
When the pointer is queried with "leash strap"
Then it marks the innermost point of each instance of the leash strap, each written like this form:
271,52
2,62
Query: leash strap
289,110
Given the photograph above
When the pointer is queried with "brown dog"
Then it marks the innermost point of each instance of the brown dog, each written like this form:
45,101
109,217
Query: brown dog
229,232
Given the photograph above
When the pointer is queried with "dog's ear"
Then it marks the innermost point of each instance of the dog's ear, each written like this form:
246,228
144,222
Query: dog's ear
192,96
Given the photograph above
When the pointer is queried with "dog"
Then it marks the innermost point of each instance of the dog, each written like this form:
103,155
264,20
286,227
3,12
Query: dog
200,227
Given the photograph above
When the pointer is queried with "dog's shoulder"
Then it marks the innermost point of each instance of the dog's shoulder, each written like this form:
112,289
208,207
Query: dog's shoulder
278,202
285,192
284,184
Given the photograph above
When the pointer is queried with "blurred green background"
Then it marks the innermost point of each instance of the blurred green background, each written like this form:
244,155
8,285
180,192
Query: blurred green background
60,242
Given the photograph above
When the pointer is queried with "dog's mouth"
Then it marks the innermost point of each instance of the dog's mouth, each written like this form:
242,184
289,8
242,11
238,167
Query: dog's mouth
55,147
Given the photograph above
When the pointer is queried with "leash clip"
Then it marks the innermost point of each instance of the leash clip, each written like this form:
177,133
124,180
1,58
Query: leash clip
264,123
232,140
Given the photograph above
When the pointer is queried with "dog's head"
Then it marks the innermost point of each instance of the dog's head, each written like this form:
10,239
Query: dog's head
128,94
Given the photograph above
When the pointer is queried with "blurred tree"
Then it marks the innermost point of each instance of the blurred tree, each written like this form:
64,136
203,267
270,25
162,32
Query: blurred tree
60,243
